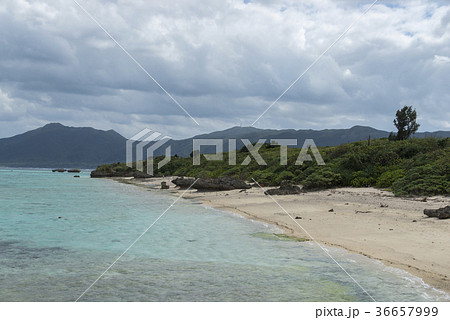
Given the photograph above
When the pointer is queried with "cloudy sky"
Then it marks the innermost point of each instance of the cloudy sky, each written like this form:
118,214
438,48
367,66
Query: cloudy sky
224,61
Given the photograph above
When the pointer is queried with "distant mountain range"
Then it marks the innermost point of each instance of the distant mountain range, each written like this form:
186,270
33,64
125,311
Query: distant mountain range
55,145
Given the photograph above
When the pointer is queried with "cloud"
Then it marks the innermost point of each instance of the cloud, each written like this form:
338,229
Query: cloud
224,61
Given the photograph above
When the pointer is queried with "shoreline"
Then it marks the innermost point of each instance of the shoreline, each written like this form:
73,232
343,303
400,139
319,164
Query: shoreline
366,221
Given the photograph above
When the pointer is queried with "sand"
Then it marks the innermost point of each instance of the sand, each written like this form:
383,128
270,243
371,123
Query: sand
367,221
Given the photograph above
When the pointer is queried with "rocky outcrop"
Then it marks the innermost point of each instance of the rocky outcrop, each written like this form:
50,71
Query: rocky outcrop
441,213
74,170
183,182
219,184
103,174
141,175
285,188
59,170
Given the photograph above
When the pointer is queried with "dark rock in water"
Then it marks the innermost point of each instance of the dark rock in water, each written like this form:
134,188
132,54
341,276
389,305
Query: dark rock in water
141,175
164,185
74,170
285,188
76,176
219,184
441,213
59,170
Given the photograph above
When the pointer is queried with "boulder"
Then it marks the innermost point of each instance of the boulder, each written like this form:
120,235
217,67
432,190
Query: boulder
441,213
219,184
59,170
164,185
285,188
74,170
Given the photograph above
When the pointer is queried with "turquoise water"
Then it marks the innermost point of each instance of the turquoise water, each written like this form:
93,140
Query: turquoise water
192,253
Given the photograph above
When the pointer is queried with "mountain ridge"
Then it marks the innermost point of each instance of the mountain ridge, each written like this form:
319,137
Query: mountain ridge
55,145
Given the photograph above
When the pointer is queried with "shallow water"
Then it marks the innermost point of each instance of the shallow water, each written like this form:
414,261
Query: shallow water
192,253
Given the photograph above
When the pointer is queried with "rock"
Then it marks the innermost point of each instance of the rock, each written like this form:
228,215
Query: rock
141,175
383,205
59,170
183,182
331,210
164,185
220,184
285,188
103,174
298,218
74,170
76,176
441,213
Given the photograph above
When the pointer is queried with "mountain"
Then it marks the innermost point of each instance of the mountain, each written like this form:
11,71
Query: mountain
55,145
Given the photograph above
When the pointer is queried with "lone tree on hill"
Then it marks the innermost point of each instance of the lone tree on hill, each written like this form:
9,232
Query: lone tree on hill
405,122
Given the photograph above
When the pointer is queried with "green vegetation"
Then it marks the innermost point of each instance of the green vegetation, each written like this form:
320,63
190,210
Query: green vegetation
407,167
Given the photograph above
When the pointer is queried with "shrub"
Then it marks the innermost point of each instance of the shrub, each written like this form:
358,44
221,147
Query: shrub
322,179
387,178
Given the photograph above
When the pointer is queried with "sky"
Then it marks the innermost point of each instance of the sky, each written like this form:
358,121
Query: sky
224,62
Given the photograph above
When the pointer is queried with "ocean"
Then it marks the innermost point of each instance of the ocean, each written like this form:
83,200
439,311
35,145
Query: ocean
58,234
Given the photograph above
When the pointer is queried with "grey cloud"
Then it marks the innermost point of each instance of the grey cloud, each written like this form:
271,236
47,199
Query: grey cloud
225,62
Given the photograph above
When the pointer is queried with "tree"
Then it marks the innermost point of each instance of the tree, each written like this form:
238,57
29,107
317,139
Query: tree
405,122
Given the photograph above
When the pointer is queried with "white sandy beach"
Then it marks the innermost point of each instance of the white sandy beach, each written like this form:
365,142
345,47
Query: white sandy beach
367,221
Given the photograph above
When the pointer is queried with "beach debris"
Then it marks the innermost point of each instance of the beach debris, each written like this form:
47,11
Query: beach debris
346,203
298,218
59,217
441,213
383,205
368,211
331,210
414,220
285,188
164,185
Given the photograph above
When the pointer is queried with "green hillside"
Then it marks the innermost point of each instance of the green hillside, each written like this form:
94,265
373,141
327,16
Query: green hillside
409,167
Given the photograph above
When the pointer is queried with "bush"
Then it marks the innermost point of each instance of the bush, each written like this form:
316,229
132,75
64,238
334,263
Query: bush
387,178
322,179
424,180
